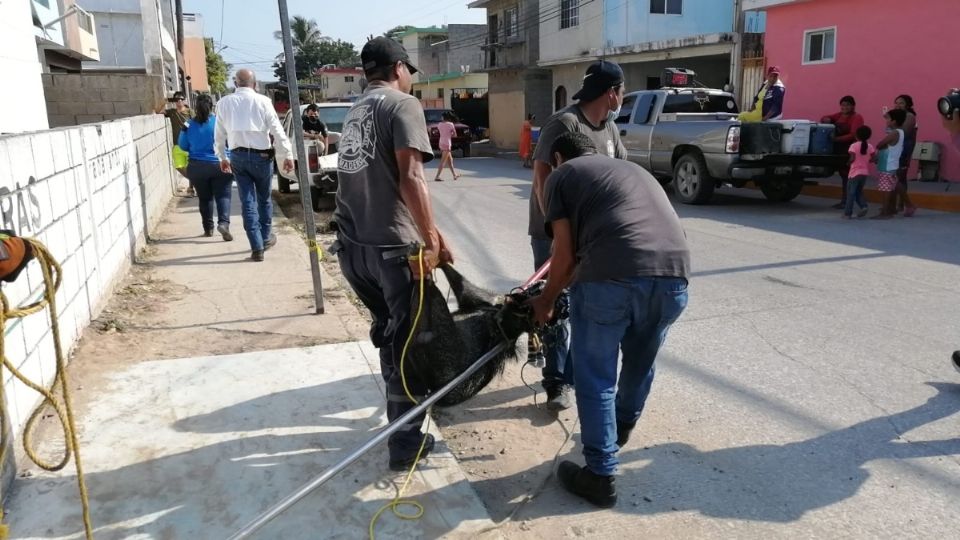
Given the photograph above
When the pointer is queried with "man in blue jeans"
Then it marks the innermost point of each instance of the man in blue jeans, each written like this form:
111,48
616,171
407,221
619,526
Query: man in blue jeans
245,122
617,239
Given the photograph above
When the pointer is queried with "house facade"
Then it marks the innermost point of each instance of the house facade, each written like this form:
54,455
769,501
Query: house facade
424,45
194,53
462,83
825,54
339,83
517,85
643,36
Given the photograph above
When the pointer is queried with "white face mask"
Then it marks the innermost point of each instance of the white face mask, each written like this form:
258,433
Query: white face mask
613,115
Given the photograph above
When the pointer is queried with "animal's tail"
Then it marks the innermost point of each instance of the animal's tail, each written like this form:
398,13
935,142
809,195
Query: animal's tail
468,295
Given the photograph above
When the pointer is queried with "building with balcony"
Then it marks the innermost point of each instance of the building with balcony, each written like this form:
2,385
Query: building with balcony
420,45
66,35
516,85
462,86
825,53
643,36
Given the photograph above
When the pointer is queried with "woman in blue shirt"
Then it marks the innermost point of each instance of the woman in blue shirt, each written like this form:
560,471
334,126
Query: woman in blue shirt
213,186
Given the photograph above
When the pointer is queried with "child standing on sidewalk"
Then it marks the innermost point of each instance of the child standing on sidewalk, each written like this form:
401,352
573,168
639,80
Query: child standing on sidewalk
888,162
861,152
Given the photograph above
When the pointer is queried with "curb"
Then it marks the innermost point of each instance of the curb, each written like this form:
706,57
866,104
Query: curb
943,202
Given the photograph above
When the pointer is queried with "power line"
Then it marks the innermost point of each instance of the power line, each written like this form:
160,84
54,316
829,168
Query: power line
223,15
526,23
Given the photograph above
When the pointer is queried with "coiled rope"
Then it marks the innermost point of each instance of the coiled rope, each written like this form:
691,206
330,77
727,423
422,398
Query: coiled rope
52,278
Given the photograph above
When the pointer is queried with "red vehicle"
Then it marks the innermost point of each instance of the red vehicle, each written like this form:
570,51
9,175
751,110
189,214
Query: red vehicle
462,139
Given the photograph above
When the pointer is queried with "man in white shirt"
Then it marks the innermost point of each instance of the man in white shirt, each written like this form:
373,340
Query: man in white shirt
245,122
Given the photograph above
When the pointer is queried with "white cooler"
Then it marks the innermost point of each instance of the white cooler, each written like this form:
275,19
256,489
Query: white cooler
796,136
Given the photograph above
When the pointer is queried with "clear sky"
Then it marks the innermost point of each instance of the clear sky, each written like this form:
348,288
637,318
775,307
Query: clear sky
248,25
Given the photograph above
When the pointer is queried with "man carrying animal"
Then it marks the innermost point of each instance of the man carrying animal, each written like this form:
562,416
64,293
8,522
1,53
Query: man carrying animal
617,239
383,208
598,106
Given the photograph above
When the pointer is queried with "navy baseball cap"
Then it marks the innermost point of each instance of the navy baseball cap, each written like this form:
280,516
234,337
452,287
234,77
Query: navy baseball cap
383,51
601,76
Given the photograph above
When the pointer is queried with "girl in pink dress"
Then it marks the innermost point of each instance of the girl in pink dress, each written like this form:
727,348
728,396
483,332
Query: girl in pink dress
447,131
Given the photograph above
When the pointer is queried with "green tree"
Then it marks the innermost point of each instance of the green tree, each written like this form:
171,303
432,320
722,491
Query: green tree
312,50
395,32
217,68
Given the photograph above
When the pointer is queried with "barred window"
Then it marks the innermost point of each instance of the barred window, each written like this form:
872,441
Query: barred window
569,13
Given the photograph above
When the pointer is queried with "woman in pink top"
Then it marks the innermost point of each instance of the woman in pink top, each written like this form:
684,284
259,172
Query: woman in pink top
861,152
447,131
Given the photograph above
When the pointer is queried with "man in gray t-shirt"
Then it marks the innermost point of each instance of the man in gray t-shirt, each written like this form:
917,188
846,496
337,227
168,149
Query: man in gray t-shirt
599,100
383,208
618,240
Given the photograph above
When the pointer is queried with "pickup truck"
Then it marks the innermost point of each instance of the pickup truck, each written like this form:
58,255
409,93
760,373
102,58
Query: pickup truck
322,162
692,138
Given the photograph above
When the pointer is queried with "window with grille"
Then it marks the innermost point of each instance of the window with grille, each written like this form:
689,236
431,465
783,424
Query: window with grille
569,13
86,21
666,7
439,93
820,46
348,78
511,23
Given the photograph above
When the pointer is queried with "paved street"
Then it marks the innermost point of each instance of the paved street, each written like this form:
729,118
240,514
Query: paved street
806,391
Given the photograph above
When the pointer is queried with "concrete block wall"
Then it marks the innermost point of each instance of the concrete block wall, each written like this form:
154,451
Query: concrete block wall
90,194
84,98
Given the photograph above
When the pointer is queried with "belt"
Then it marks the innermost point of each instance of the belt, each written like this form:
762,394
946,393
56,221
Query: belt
251,150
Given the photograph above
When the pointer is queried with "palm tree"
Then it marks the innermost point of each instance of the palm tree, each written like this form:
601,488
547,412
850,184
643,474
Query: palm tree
304,32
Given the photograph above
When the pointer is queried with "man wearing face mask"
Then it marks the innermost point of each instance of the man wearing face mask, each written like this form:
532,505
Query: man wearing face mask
598,105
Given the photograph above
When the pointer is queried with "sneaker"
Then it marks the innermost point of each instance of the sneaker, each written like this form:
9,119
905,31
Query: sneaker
270,242
623,432
862,212
405,463
956,360
224,231
257,255
208,233
838,206
582,482
559,397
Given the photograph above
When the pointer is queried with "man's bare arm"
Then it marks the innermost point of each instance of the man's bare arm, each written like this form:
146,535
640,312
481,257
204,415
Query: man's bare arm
562,266
541,171
413,191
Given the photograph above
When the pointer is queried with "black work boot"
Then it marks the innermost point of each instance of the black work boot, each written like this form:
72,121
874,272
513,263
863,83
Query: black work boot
559,397
257,255
581,481
623,432
403,463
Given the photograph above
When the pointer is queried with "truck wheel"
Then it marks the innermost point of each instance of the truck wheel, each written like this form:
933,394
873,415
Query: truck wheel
466,150
691,179
781,189
283,183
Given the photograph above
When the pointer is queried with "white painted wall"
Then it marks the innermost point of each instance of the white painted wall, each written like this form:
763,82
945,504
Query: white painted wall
568,43
19,62
89,193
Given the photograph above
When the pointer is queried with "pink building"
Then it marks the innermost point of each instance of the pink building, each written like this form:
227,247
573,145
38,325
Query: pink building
873,50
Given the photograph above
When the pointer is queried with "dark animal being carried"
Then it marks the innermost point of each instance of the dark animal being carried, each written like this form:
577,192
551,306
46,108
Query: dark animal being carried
446,343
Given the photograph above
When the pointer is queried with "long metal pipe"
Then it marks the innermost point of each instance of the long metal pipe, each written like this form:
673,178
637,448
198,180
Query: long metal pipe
295,497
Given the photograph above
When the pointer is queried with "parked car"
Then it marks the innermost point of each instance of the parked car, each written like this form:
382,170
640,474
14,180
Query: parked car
322,162
692,138
462,139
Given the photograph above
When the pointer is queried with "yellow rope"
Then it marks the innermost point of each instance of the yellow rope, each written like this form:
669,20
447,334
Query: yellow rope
398,501
52,278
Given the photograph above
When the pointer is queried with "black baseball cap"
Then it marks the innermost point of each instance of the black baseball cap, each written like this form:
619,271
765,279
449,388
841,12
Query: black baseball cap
601,76
383,51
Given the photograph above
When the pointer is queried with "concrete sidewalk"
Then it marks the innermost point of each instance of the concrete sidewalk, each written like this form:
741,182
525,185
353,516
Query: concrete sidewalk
197,446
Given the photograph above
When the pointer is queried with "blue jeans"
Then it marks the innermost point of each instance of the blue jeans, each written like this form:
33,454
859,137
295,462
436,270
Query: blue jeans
254,174
213,189
558,363
855,194
607,317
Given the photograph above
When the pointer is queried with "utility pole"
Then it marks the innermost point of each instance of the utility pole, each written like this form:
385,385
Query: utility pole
303,175
736,56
